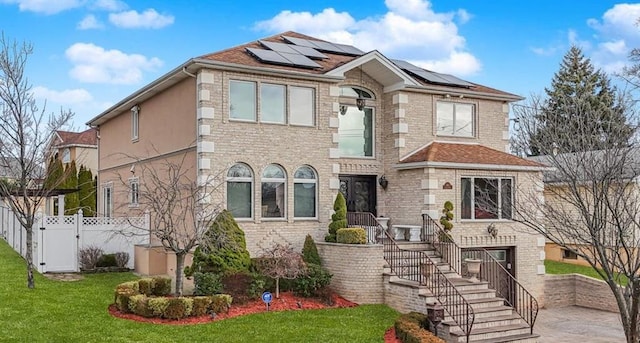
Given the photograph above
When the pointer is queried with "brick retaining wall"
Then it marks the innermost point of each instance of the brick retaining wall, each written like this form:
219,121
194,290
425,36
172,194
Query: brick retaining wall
579,290
357,270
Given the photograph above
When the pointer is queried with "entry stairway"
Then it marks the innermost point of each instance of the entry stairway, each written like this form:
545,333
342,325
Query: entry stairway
493,309
493,320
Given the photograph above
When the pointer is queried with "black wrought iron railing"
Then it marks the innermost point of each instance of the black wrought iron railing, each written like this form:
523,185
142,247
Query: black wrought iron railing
442,242
505,284
369,223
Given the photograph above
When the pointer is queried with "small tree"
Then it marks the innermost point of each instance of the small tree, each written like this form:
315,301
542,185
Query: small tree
447,216
86,192
24,133
310,251
338,219
281,262
71,200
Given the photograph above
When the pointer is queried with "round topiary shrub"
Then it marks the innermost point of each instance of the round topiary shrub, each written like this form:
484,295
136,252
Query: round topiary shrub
338,219
310,251
352,235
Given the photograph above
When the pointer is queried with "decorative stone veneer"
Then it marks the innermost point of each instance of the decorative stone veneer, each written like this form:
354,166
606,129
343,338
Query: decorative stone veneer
357,270
578,290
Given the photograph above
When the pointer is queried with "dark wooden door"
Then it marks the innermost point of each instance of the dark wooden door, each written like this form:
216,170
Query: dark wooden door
360,192
506,288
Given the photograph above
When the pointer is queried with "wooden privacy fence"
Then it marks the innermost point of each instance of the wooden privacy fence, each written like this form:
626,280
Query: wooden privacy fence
57,240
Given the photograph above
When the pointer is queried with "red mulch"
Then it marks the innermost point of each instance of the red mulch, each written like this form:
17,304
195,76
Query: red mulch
390,336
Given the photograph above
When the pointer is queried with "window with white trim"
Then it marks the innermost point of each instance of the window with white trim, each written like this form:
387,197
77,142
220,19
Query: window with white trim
455,119
356,132
242,100
107,199
274,194
272,103
486,198
305,193
135,122
240,191
66,155
134,192
301,106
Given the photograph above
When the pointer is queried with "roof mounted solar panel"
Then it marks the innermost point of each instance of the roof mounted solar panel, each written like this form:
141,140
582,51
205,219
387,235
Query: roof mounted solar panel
349,49
430,76
300,60
454,80
309,52
341,49
279,47
300,41
268,56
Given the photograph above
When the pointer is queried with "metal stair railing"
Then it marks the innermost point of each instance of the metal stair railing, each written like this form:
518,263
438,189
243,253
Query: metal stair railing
506,285
442,242
417,266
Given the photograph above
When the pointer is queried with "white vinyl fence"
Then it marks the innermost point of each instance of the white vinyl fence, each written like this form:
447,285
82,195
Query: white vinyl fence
57,240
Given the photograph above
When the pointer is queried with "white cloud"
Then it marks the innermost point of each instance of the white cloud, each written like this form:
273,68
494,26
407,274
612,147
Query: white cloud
89,22
94,64
45,6
410,30
149,19
67,96
109,5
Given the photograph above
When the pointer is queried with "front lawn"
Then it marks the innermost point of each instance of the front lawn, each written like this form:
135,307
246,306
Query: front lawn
554,267
57,311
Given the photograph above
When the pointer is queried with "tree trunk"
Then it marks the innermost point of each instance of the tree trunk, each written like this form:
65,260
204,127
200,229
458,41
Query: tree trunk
29,257
179,270
277,288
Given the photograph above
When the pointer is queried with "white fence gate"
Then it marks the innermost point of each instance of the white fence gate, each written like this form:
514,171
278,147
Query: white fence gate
57,240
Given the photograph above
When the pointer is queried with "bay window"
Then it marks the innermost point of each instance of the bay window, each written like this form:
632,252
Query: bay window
486,198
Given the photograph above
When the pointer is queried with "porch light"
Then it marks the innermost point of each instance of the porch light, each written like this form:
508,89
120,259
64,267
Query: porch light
360,103
435,314
383,182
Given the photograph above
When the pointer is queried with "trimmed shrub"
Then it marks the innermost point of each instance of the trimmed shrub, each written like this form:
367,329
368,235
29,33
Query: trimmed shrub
201,305
338,219
158,305
225,250
178,308
410,328
237,285
207,283
133,285
161,286
122,259
89,257
145,286
447,216
122,298
352,235
107,260
316,279
139,304
258,285
220,303
310,251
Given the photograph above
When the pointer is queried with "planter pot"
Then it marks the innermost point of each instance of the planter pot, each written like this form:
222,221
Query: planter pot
473,267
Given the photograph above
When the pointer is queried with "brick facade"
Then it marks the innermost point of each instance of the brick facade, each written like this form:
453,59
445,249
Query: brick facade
578,290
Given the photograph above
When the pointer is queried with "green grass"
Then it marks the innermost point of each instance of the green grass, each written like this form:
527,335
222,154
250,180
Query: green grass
57,311
554,267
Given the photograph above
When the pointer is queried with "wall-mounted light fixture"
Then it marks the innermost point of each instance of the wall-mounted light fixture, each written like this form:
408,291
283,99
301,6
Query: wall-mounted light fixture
343,109
383,182
360,101
492,230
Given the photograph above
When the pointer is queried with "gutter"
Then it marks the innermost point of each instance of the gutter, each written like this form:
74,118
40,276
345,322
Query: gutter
453,165
455,93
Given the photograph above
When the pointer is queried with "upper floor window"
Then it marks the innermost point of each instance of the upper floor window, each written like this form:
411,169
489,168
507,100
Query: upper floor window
486,198
455,119
66,155
279,104
274,193
134,192
305,193
239,190
356,132
107,199
135,122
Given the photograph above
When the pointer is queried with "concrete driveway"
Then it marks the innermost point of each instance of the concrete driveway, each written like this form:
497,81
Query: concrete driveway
578,324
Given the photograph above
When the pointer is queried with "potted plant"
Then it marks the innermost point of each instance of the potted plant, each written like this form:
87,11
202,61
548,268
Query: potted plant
473,268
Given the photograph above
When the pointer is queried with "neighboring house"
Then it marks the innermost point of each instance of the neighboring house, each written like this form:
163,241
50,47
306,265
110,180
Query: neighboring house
79,146
287,122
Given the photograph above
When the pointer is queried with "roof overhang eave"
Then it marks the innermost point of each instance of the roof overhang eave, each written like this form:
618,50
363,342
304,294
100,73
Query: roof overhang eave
466,92
469,166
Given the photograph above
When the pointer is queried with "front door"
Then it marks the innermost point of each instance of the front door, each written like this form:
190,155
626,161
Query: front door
360,192
505,257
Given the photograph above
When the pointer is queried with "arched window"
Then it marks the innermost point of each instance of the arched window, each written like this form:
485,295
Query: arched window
355,92
239,190
305,193
274,194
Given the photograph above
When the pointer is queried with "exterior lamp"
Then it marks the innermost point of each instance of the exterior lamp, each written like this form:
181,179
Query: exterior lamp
435,314
360,100
383,182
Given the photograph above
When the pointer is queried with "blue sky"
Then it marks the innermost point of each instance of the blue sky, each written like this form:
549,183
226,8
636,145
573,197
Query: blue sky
89,54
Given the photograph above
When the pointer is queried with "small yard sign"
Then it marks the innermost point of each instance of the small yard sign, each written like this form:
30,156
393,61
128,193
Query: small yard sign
266,297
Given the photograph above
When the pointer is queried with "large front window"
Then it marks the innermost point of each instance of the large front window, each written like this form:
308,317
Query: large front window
486,198
301,106
242,100
273,192
356,132
272,103
239,190
304,193
455,119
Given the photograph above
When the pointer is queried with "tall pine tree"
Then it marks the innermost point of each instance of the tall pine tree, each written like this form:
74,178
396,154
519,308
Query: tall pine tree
55,174
582,111
71,200
86,192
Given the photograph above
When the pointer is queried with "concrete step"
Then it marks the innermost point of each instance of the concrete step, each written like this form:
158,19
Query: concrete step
472,294
524,338
492,321
490,334
490,312
463,284
486,302
416,246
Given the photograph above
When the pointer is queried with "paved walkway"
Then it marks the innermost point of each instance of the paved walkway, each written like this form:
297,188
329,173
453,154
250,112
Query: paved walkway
578,324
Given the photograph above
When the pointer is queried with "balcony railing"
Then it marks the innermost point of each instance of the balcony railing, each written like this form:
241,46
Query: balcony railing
368,222
442,242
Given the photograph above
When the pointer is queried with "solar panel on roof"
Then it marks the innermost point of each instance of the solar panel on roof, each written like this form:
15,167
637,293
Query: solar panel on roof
300,60
454,80
280,47
268,56
341,49
350,49
326,46
300,41
430,76
309,52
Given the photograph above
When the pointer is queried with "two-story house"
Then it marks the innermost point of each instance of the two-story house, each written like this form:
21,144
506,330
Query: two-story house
285,123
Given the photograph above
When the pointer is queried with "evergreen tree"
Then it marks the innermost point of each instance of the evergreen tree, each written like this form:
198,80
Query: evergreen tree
338,219
71,200
86,192
55,172
581,103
